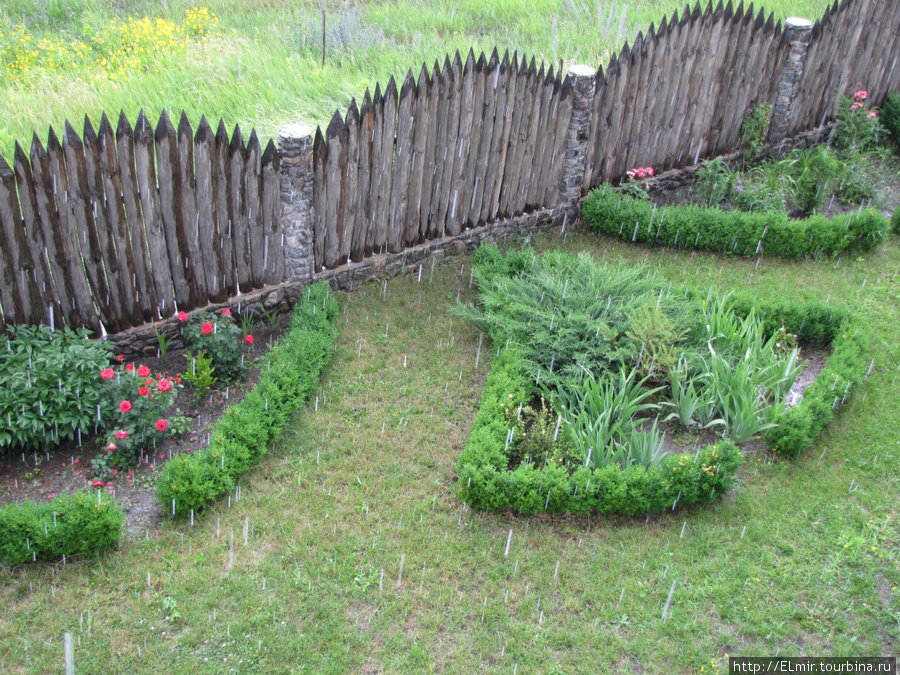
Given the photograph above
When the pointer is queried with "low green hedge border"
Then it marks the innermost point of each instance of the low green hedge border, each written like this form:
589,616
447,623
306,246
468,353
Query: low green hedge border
69,525
608,211
486,483
246,430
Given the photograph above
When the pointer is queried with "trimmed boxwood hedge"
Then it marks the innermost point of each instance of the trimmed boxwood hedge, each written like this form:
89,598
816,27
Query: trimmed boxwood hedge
83,526
246,430
486,482
608,211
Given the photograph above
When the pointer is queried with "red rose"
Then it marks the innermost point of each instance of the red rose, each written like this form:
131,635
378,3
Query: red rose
183,316
121,434
97,484
177,379
143,371
129,367
164,385
107,373
125,406
111,447
161,425
248,339
121,357
226,312
206,328
143,391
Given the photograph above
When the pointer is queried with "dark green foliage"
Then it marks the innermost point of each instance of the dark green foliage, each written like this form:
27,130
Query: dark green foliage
895,221
247,430
844,371
487,482
572,316
814,174
221,339
83,526
50,385
730,232
890,117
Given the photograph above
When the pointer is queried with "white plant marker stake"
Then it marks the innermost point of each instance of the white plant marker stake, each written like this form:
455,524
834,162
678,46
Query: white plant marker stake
508,542
665,613
70,653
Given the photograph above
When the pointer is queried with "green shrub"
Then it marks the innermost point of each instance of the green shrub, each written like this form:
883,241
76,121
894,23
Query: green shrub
814,174
487,482
221,339
50,385
730,232
895,221
69,525
844,370
890,117
289,374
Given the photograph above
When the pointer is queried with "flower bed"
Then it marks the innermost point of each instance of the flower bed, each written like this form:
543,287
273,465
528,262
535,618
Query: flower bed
246,430
607,211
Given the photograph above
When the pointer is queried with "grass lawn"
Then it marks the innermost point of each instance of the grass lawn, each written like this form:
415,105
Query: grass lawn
261,65
360,558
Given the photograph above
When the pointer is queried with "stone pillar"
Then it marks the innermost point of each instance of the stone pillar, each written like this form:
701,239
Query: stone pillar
295,143
798,33
577,137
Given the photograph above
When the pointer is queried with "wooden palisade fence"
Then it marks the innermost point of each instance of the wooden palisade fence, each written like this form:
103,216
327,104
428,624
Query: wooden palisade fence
123,227
462,146
115,229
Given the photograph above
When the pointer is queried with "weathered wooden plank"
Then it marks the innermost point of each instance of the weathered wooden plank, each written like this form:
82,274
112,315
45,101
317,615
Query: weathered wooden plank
53,166
558,149
593,134
273,243
508,116
614,134
320,151
121,294
385,170
402,164
442,86
207,228
333,176
666,81
627,150
376,177
240,235
34,237
417,169
644,127
7,290
20,276
362,231
745,82
530,159
471,172
170,199
513,164
110,190
709,81
429,160
82,217
735,53
222,206
252,192
446,172
142,279
486,122
502,113
535,198
687,146
189,219
457,210
350,148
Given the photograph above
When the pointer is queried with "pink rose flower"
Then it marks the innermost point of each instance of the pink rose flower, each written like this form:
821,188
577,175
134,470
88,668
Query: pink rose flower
107,373
183,316
121,434
206,328
125,406
162,425
164,385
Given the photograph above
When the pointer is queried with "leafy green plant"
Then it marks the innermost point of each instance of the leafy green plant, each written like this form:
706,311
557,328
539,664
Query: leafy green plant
644,446
895,221
890,118
200,373
219,337
49,386
270,316
714,181
754,130
816,172
163,342
857,126
691,406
